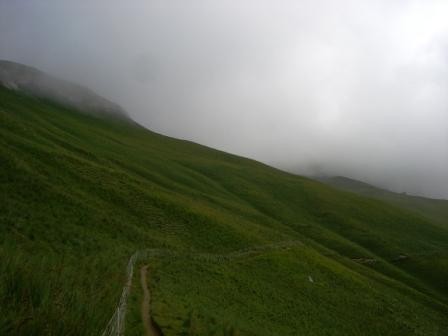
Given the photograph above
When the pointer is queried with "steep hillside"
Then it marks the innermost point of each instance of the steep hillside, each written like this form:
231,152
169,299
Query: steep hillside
249,249
34,82
434,209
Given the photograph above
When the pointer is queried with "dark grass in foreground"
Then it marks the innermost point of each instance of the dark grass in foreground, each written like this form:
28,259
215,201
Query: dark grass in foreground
80,194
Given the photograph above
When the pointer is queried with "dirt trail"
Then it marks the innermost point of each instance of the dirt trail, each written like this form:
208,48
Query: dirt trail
151,328
116,325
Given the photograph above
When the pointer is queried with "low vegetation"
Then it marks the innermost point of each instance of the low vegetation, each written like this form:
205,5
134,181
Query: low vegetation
79,194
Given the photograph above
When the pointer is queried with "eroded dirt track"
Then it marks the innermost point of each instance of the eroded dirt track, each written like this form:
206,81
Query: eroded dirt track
151,328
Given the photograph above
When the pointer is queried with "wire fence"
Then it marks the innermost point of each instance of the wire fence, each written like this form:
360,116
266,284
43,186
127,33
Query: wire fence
116,325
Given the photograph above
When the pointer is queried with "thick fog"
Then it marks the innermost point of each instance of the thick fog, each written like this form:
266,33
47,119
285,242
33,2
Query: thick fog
354,88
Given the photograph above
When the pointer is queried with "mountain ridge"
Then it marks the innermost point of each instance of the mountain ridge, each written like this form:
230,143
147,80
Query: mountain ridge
432,208
32,81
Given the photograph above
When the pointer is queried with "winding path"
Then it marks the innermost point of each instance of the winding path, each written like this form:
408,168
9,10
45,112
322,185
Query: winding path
116,325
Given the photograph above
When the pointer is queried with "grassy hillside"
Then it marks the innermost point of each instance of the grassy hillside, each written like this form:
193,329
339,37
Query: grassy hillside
79,194
433,209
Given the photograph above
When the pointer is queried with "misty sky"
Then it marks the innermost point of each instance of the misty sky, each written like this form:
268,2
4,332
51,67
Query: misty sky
356,88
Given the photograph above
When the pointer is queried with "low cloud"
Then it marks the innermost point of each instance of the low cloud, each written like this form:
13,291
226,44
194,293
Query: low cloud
353,88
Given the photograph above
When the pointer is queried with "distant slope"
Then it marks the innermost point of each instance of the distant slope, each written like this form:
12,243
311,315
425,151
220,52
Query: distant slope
26,79
433,209
79,194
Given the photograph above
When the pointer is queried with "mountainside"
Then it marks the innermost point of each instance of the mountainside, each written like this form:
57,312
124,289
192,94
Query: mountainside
20,77
246,249
433,209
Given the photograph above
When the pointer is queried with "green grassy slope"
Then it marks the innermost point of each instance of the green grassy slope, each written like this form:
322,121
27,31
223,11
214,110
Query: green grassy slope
80,194
434,209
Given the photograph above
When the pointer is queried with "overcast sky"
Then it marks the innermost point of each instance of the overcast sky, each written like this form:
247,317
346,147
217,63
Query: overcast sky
356,88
